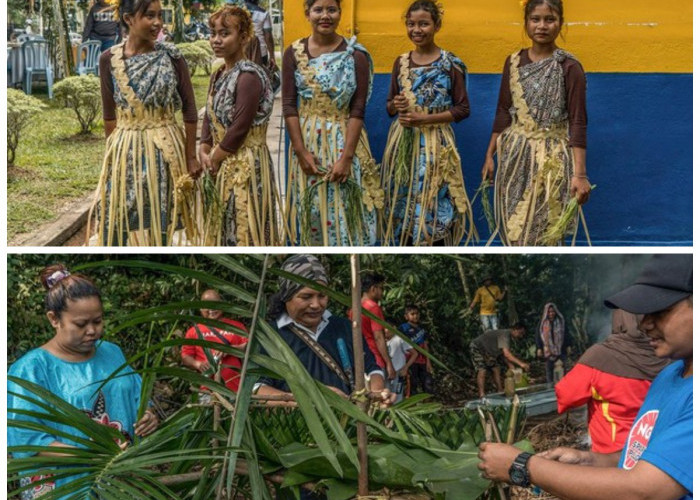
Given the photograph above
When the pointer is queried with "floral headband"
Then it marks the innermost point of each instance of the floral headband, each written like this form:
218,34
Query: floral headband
55,277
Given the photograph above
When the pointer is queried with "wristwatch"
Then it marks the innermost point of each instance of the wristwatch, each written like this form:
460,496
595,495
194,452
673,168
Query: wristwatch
518,473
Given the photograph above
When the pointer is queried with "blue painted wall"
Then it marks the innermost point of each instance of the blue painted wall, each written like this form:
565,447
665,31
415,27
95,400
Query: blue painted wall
640,152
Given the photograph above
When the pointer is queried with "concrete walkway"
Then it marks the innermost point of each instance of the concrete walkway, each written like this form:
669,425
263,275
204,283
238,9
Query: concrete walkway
69,228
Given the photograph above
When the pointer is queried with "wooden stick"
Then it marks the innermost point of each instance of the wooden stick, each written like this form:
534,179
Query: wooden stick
241,469
363,477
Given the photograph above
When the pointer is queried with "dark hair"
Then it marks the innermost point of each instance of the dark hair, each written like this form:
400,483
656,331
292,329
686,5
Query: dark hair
227,11
410,307
62,286
430,6
371,279
518,326
132,8
310,3
557,5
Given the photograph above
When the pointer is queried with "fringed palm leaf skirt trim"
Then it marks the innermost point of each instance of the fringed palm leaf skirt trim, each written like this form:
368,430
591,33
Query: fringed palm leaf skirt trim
144,193
247,190
532,184
426,197
326,213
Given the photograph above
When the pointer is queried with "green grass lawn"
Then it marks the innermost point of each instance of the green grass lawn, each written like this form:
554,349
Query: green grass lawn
55,167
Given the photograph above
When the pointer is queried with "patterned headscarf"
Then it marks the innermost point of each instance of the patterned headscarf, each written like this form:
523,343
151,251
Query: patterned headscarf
552,331
304,265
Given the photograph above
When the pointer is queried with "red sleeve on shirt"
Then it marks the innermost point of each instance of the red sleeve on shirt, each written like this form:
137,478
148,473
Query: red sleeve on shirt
191,350
575,388
377,311
235,339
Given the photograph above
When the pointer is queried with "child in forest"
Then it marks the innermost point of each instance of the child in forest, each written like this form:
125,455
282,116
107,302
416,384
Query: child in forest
402,357
426,201
420,369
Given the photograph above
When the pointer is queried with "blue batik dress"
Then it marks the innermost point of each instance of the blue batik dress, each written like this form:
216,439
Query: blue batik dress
320,212
426,199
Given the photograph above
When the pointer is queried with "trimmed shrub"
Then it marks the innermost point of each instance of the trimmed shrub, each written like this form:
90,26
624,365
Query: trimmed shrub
82,95
21,108
195,56
204,44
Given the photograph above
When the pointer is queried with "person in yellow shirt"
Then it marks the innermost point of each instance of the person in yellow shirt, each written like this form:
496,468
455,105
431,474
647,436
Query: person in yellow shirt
488,295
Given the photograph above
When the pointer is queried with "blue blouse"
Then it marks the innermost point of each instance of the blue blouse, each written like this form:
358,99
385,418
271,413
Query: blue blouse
116,404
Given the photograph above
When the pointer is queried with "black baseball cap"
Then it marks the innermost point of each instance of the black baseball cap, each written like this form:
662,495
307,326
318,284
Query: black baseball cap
665,280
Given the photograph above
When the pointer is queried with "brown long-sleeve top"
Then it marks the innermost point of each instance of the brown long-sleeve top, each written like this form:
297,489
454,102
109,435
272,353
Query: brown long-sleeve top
460,100
249,89
289,88
184,88
575,83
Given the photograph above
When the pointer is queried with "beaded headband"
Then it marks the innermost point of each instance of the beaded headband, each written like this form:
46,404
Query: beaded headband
55,277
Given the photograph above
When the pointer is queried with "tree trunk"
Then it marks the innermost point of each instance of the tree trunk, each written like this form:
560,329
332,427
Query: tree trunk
64,55
178,35
512,310
465,283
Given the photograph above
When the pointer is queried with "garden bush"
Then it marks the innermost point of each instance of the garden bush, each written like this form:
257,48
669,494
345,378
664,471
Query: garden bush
82,95
196,56
204,44
21,108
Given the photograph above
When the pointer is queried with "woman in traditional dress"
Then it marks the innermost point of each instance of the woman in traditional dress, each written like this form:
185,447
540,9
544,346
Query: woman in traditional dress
239,104
80,368
421,171
333,189
146,188
539,134
551,339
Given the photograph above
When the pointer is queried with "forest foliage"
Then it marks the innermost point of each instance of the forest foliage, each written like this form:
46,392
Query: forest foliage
441,285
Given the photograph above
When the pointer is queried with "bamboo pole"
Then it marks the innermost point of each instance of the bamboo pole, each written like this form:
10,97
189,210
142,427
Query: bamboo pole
358,350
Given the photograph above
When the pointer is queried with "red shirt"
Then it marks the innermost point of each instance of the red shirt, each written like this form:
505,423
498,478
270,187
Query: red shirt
369,326
231,365
613,403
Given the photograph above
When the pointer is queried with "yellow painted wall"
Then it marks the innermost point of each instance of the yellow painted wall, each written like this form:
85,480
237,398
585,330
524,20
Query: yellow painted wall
636,36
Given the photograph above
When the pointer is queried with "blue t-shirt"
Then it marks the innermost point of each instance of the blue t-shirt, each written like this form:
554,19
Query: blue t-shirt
662,434
418,336
115,405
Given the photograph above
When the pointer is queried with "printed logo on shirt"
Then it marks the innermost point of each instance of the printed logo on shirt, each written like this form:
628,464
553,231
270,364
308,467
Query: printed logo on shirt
104,17
639,437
